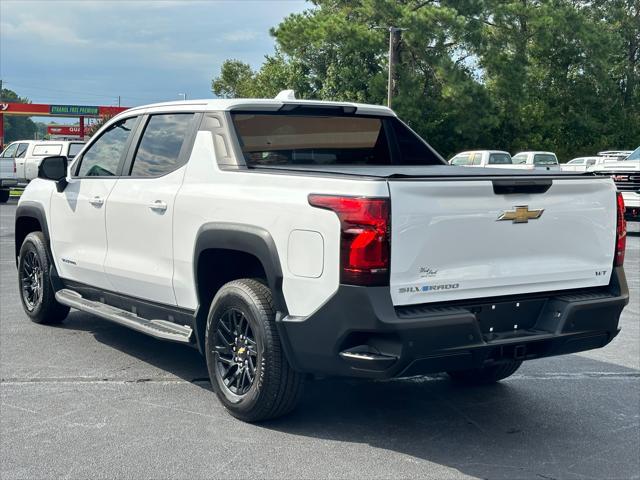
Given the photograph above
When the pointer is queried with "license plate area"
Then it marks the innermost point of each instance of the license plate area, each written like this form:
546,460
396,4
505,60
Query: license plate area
511,316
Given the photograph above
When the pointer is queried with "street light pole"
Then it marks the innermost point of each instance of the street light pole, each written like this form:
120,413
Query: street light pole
183,95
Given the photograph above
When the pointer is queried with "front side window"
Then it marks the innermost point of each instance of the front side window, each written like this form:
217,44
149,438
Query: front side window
462,159
500,159
591,162
298,139
103,156
159,149
44,150
544,159
10,151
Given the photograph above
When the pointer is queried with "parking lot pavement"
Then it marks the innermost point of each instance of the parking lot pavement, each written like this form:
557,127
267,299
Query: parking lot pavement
90,399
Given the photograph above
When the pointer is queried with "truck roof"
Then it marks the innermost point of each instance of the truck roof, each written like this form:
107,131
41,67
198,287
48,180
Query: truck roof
264,104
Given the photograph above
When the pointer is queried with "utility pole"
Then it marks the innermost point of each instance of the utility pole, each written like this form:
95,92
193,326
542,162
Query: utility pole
394,44
118,100
394,49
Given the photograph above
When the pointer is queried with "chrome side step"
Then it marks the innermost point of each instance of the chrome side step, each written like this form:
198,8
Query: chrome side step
162,329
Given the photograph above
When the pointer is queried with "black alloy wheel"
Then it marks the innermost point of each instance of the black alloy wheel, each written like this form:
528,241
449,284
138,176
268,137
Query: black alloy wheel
32,280
236,352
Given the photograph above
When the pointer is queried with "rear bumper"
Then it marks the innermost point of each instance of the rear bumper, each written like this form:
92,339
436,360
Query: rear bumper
8,182
359,333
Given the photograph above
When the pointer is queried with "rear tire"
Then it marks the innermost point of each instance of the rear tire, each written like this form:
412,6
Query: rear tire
485,375
4,196
36,291
248,369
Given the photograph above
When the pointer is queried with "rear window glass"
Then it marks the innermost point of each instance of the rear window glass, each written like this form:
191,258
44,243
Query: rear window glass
500,159
42,150
544,159
288,139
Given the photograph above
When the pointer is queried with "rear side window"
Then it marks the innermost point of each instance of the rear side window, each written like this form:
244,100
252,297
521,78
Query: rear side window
518,159
288,139
477,158
544,159
158,152
22,150
46,150
500,159
74,149
103,156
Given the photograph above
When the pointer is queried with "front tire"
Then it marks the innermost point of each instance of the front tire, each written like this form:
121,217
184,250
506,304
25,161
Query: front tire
36,291
485,375
248,369
4,196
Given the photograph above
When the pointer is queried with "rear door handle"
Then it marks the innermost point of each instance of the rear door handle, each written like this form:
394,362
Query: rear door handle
158,206
96,201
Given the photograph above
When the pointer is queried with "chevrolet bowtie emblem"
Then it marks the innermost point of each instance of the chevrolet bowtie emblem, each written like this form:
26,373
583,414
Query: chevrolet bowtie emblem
521,214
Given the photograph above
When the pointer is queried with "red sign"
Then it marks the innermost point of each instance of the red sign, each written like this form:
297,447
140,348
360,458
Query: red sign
68,130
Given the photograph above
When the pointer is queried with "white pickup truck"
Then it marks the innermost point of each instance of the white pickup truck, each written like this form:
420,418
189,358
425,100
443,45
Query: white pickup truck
626,175
286,239
7,172
27,155
536,160
483,158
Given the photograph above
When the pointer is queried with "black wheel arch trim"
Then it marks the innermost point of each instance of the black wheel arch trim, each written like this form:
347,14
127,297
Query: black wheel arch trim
249,239
30,209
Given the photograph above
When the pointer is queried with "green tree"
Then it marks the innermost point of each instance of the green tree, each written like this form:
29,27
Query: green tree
510,74
16,127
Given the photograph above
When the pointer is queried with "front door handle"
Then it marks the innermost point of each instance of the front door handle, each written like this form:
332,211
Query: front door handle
96,201
158,206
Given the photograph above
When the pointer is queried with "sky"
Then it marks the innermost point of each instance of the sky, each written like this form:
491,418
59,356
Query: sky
89,53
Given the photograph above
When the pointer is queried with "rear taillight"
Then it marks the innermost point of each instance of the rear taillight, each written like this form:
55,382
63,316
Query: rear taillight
364,237
621,232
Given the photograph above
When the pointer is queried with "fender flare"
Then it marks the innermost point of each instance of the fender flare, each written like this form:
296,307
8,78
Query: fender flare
249,239
29,209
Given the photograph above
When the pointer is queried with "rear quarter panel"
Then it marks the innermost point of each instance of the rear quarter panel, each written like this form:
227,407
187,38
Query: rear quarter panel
274,201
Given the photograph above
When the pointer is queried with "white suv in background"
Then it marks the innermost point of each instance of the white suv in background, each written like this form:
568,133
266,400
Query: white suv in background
29,153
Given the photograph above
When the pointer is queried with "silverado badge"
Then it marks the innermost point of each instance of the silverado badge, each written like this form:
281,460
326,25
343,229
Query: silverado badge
521,214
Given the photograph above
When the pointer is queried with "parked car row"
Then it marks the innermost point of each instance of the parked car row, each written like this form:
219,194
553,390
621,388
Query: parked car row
19,162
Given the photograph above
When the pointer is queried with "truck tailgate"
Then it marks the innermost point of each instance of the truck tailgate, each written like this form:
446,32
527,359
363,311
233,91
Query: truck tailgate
448,241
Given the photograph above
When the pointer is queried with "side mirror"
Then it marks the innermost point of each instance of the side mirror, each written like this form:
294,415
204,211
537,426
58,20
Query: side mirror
54,168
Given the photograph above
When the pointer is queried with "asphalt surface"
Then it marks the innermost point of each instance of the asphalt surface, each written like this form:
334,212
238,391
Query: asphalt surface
90,399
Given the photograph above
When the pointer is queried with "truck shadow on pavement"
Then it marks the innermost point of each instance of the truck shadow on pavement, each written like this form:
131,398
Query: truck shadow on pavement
565,417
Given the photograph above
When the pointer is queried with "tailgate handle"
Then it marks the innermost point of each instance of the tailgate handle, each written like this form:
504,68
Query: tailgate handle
506,187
